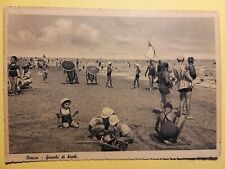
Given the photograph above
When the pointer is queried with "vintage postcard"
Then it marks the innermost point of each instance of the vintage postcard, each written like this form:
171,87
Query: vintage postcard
84,84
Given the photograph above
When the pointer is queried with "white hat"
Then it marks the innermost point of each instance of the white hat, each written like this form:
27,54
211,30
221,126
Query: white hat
109,63
113,120
137,65
106,112
63,100
180,58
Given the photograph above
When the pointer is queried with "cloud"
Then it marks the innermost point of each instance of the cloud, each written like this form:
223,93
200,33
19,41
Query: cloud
23,37
62,32
84,34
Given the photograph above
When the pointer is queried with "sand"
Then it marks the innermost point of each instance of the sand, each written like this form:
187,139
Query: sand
33,123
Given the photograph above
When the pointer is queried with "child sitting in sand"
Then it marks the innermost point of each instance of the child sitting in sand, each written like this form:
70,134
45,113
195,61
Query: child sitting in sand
66,116
26,78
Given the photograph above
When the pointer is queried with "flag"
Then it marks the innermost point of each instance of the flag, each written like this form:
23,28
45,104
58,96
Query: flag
149,44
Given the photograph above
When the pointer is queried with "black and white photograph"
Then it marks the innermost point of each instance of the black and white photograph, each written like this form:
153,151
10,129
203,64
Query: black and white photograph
84,84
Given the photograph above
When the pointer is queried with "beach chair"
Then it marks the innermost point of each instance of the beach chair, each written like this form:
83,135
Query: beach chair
91,74
70,69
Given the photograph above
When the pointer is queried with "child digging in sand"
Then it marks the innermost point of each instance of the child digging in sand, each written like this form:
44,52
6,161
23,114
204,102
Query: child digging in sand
66,116
169,124
122,132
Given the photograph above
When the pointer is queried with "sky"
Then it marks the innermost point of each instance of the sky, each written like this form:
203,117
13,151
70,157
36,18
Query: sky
110,37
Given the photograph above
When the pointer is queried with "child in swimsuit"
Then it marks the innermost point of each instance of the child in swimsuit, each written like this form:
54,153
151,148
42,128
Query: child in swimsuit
66,115
169,124
122,132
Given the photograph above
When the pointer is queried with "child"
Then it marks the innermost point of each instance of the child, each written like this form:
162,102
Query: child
151,74
109,75
26,78
169,124
123,134
99,126
65,114
137,75
45,71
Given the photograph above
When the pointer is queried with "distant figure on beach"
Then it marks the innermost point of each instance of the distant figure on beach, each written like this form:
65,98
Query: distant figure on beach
56,63
183,84
99,126
44,68
169,124
65,116
109,75
164,83
26,78
137,75
159,66
99,63
13,74
77,63
45,59
129,66
35,62
151,74
122,133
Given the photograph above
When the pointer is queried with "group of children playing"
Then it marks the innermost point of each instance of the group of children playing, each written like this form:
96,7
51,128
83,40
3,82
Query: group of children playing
108,129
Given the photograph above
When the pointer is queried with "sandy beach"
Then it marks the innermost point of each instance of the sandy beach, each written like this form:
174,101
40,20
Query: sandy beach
32,118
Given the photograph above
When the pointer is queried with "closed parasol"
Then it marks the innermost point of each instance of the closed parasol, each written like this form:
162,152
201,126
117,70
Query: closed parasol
92,69
68,66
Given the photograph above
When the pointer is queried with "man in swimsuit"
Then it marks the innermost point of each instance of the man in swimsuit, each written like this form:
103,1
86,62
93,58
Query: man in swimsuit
169,124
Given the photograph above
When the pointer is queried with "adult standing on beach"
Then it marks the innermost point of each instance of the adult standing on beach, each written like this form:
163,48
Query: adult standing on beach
183,83
164,84
109,75
13,74
191,71
151,74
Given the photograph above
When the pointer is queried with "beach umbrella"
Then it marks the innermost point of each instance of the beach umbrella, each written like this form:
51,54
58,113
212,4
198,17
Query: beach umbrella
68,66
92,69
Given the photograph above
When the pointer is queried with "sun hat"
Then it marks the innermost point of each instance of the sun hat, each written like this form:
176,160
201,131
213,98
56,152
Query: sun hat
109,63
113,120
63,100
137,64
106,112
180,58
